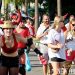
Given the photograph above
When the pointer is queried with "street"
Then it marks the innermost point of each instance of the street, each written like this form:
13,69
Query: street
36,66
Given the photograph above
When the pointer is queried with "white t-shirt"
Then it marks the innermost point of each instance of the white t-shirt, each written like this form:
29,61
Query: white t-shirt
67,26
43,40
71,41
1,32
54,36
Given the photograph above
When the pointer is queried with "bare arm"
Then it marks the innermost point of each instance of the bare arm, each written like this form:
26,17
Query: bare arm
52,46
20,38
44,33
55,48
1,43
28,41
38,37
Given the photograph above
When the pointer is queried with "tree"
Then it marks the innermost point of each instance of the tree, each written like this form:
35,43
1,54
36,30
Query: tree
0,5
6,2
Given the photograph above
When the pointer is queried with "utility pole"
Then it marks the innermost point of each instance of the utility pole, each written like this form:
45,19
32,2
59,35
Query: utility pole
59,7
36,15
26,4
6,2
2,7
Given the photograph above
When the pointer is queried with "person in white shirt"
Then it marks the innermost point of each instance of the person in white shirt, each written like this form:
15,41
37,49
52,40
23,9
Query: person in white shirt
56,46
42,37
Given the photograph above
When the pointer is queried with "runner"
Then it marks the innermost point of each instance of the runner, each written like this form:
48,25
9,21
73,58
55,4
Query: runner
56,46
42,37
9,44
70,45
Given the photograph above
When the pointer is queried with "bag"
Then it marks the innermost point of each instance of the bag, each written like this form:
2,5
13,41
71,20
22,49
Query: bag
46,29
28,64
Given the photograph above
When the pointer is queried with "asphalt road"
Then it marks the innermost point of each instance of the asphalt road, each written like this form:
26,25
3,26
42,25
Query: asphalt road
37,67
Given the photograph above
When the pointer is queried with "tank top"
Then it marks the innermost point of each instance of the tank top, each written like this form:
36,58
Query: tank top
12,49
24,33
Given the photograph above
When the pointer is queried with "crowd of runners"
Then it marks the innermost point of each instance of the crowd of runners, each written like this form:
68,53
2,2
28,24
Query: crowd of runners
56,43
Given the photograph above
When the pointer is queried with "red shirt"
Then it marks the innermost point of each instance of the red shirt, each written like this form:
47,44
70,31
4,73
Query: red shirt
19,18
64,28
25,33
1,22
12,49
33,30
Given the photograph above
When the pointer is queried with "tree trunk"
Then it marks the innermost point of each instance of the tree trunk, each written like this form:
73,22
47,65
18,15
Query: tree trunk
36,15
59,7
6,2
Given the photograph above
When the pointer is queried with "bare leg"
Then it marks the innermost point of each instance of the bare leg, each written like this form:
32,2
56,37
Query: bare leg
67,67
3,70
56,68
14,71
45,69
50,68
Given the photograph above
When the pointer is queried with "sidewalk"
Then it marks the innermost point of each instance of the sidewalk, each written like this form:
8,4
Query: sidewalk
36,66
35,71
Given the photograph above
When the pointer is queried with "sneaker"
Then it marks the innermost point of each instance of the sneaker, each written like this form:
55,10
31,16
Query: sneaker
43,60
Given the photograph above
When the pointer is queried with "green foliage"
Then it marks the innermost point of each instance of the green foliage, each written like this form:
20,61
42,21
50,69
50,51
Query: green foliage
31,12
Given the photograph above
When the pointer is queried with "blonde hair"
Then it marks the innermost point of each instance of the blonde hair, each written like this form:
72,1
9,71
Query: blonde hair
57,19
71,18
70,21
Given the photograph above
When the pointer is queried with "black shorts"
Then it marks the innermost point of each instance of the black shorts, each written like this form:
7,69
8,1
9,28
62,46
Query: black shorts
9,61
57,59
0,59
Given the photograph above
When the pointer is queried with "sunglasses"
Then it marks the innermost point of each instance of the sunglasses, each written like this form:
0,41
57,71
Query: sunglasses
73,24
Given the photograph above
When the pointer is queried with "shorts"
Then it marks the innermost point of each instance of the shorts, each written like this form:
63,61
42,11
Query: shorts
55,59
9,61
45,55
44,59
0,59
43,48
71,57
